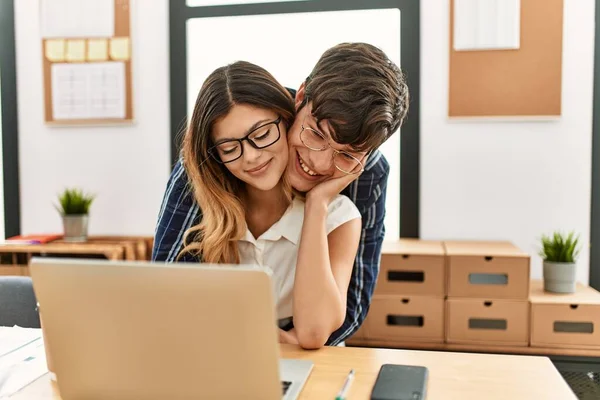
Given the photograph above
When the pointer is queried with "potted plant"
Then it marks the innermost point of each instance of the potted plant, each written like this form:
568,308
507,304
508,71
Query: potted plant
74,208
559,253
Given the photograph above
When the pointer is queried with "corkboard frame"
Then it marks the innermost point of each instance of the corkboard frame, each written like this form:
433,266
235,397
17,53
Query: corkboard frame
122,30
522,84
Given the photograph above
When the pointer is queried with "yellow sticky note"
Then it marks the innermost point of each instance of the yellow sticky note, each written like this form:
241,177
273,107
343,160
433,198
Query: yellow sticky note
55,49
97,50
76,50
119,48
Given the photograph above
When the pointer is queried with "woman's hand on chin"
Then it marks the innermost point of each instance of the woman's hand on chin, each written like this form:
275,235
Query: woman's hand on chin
325,191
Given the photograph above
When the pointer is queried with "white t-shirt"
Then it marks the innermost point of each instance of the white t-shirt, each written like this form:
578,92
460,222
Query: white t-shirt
277,248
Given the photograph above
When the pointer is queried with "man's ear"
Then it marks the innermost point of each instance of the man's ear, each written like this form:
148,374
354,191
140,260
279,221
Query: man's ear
300,95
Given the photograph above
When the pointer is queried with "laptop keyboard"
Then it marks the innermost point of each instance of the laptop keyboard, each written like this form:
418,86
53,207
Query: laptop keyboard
285,385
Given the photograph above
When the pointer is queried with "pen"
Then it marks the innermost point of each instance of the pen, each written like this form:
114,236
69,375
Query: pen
342,393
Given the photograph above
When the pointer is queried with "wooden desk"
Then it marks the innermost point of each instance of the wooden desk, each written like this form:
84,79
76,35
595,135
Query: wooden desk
475,348
459,376
14,258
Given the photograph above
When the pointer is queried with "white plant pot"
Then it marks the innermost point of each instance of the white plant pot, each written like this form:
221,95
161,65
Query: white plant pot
559,277
75,228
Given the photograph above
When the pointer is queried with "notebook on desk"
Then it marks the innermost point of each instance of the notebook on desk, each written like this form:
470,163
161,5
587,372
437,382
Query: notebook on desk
132,330
32,239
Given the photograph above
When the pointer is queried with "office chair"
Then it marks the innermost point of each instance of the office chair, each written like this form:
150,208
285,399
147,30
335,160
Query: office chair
18,304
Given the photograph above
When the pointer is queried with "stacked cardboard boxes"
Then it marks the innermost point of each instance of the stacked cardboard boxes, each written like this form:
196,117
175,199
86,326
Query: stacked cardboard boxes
408,303
476,294
488,291
568,321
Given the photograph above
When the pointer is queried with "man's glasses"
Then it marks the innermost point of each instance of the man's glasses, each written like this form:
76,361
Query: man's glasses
261,137
342,160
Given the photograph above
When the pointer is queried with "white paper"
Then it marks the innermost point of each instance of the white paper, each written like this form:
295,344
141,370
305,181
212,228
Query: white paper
77,18
22,358
4,374
13,338
29,366
487,24
88,90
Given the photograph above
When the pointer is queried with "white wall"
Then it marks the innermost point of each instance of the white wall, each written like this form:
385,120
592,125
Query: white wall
126,166
509,180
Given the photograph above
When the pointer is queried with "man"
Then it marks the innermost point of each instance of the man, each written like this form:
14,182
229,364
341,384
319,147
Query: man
355,99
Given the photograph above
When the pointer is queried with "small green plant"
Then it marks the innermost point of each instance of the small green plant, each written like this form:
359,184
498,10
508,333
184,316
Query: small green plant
74,202
560,247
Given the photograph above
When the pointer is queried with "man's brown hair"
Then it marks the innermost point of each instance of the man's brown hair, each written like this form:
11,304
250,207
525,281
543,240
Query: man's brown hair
360,92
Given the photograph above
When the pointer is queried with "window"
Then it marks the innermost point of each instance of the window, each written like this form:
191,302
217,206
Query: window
287,38
260,41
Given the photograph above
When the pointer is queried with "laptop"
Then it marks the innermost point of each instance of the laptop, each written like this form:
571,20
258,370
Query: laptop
143,330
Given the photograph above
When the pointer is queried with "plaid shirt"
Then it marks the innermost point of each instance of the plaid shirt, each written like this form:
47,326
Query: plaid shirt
179,211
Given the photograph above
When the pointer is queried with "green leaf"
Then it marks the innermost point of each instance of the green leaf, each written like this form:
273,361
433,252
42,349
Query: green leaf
74,202
560,247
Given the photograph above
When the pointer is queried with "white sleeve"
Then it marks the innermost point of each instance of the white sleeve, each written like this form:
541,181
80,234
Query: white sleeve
340,210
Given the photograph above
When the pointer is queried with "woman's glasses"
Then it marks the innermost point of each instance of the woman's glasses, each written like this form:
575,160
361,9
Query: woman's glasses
231,149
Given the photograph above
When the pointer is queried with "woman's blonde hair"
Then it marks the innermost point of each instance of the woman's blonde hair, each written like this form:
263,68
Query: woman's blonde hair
215,189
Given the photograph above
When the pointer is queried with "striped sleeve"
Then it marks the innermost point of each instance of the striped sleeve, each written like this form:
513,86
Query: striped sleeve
368,193
178,212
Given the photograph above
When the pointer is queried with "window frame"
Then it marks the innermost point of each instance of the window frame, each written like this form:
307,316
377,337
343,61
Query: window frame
594,267
10,132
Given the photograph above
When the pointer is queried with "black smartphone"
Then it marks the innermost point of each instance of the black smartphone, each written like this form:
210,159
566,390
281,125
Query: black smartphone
400,382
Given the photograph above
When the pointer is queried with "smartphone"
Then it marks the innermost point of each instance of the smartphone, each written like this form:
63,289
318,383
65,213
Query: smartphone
400,382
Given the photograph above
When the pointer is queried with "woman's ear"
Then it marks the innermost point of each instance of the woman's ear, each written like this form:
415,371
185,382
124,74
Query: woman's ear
300,95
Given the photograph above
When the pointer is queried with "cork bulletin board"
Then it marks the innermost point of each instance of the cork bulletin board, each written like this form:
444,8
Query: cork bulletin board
523,82
86,53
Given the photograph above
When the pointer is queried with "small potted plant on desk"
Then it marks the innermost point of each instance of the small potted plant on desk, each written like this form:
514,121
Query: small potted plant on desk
74,208
559,253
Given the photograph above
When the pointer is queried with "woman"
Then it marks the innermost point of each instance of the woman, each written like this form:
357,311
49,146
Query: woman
235,153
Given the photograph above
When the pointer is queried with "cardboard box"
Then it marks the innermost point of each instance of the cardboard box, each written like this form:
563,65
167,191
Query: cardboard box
493,322
412,267
565,320
494,270
406,318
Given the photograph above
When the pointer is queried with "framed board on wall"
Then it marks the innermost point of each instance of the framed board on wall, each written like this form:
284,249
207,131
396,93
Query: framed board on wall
86,53
521,82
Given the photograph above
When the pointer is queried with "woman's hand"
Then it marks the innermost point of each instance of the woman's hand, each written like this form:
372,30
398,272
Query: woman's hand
325,191
288,337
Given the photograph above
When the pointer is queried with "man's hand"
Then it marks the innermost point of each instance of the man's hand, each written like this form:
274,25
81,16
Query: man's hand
288,337
325,191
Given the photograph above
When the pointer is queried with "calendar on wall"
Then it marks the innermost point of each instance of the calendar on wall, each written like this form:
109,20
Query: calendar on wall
86,56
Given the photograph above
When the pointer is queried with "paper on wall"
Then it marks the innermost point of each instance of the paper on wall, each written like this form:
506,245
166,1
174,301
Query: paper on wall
76,50
487,24
55,50
88,91
77,18
97,50
119,48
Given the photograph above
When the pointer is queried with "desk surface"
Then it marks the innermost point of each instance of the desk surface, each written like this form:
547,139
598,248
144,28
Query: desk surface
451,375
477,348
